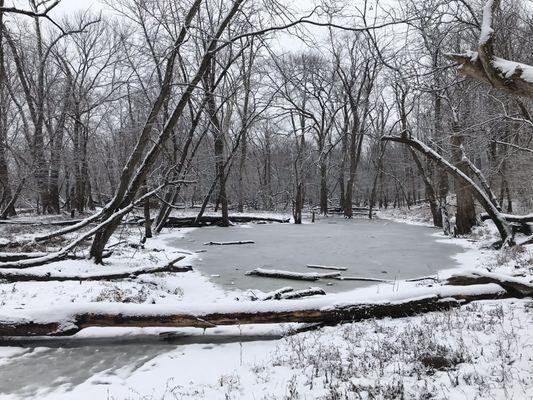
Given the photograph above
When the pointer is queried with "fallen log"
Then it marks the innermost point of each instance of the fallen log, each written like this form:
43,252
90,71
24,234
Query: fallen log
510,217
10,260
70,319
275,294
18,276
326,267
517,287
228,243
518,223
298,294
282,274
5,257
286,293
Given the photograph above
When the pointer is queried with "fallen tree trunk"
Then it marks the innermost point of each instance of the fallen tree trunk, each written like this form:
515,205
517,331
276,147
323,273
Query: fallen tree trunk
71,318
518,223
228,243
298,294
300,276
511,218
288,292
517,287
274,295
7,257
17,276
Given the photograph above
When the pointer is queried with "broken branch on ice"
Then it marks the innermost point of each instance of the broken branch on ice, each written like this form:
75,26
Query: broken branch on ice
228,243
288,292
282,274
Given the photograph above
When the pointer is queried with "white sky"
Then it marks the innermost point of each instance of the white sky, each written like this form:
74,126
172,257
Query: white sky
64,7
69,6
283,41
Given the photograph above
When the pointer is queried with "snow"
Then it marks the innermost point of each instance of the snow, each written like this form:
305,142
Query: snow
487,343
486,24
509,68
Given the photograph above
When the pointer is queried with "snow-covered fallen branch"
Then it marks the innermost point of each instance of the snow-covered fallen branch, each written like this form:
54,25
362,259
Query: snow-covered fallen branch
282,274
288,292
228,243
517,287
124,273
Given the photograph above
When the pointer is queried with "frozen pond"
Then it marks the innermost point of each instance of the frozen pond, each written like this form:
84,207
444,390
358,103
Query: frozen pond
374,249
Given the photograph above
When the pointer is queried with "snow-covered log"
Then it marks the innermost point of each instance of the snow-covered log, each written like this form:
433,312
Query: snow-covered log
276,294
511,218
327,267
329,309
518,223
300,276
18,276
517,287
298,294
9,256
229,243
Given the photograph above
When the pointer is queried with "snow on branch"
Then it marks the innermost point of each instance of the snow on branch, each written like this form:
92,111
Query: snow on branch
509,76
486,25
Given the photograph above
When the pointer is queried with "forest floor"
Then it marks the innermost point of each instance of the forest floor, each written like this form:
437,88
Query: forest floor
481,351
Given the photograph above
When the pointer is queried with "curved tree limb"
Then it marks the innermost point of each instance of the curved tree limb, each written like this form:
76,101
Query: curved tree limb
479,194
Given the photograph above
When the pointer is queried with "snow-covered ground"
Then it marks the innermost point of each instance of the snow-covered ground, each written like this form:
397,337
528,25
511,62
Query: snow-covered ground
483,350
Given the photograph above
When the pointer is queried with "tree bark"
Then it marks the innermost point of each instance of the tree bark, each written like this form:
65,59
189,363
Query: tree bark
465,217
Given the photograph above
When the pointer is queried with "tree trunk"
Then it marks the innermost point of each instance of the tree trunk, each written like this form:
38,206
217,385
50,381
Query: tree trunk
465,217
356,143
242,169
430,192
147,218
323,185
298,204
